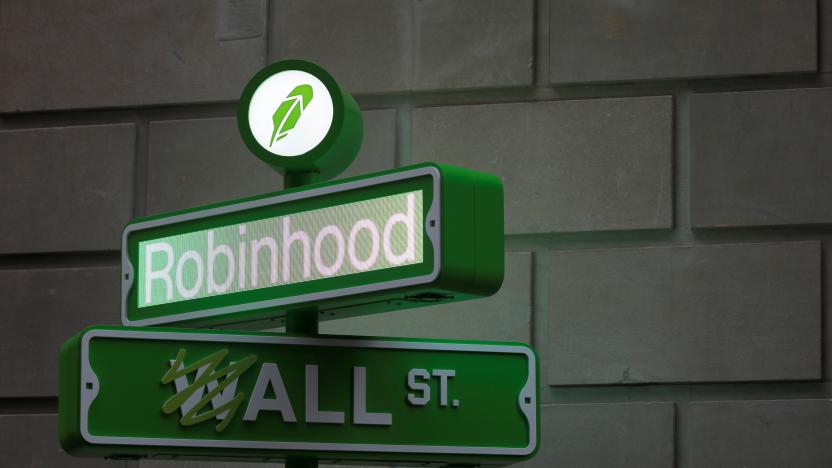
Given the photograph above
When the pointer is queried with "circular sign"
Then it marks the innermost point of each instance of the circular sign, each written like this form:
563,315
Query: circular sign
295,117
301,120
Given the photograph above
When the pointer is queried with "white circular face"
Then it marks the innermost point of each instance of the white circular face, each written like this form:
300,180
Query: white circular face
290,113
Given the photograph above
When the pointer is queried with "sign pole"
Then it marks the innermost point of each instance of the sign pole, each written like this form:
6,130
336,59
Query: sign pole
299,179
304,320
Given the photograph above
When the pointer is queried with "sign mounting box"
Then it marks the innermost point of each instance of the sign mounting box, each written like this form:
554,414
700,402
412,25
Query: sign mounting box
393,240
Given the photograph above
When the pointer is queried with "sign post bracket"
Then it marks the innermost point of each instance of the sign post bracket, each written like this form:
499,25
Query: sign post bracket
296,179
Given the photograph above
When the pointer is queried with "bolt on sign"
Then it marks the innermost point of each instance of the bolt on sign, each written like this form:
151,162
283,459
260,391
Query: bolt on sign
393,240
166,393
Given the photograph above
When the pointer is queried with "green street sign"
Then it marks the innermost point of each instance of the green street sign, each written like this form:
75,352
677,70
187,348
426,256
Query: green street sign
179,393
392,240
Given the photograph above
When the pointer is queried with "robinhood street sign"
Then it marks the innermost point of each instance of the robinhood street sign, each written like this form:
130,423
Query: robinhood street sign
392,240
167,393
320,249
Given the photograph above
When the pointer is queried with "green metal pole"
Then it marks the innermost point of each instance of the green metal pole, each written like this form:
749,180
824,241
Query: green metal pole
299,179
301,463
305,320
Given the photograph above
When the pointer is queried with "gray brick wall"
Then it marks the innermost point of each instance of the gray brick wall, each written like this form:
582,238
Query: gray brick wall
730,312
401,45
31,441
761,158
66,189
599,164
104,54
760,433
668,177
599,435
614,41
42,308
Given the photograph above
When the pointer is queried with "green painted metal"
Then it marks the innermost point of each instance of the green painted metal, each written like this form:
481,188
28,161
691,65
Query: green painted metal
301,321
180,393
461,250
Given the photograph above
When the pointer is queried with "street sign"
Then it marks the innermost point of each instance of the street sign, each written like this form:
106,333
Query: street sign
397,239
393,240
178,393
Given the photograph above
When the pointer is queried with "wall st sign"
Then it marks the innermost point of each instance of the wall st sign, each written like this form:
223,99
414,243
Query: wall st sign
255,394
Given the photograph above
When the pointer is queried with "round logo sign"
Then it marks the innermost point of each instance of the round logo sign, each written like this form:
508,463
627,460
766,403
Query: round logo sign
294,116
290,113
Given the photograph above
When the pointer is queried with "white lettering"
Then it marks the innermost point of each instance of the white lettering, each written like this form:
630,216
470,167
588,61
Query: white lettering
329,270
319,243
212,257
241,258
288,240
313,414
180,267
423,387
374,241
255,248
269,376
409,253
359,402
163,274
443,384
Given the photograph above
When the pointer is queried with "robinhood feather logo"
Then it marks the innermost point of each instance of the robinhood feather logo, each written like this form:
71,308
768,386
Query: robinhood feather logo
288,113
221,384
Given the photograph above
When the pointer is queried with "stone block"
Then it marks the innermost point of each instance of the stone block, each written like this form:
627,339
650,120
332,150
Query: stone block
715,313
365,44
567,166
196,162
623,435
383,46
611,40
31,441
41,310
793,433
473,43
378,150
94,53
761,158
66,189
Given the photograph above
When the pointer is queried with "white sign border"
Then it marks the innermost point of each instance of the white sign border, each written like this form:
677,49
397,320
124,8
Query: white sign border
433,231
527,400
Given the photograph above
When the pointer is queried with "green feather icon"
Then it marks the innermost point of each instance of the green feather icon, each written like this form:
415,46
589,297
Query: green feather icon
289,111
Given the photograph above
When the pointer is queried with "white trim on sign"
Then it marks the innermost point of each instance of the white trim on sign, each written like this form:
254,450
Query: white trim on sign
526,400
433,213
